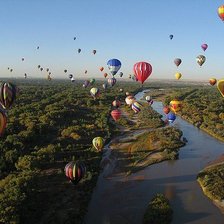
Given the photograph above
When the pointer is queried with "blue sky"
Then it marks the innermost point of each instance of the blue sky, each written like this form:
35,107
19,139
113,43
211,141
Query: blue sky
129,30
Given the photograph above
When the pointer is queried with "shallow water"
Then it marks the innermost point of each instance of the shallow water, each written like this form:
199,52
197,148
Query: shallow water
119,199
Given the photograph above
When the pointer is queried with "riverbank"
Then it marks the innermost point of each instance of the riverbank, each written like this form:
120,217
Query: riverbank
211,180
144,140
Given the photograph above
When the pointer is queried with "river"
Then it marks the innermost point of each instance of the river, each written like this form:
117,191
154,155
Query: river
121,200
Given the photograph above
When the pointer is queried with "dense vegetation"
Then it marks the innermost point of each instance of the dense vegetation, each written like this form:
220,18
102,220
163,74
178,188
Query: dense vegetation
158,211
203,107
212,181
51,124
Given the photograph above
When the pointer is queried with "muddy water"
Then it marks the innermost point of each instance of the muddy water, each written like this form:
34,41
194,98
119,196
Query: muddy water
120,200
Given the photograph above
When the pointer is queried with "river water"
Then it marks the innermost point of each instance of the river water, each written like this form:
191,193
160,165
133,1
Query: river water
121,200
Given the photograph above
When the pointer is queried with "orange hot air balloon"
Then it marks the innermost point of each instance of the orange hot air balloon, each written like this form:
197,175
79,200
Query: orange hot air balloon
116,114
101,69
105,75
212,81
221,12
166,110
220,86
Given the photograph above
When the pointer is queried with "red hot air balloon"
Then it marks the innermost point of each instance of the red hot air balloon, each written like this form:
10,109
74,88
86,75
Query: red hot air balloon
142,71
166,110
116,114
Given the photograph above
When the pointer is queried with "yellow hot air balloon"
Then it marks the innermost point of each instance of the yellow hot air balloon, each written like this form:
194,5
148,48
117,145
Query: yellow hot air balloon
178,75
175,105
220,86
98,143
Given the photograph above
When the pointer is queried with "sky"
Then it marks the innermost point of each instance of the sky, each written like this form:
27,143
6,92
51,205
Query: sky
129,30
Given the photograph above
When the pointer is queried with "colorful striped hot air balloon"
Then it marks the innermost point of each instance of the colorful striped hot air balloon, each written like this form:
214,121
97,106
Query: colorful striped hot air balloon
221,12
3,121
200,59
136,107
98,143
142,71
7,94
75,171
116,114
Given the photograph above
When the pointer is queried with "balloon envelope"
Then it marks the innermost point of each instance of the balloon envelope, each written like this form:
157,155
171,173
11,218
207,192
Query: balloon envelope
98,143
114,65
136,106
111,81
177,61
116,103
171,117
220,86
7,94
204,47
178,75
175,105
221,12
142,71
94,92
212,81
130,100
200,59
166,110
171,36
116,114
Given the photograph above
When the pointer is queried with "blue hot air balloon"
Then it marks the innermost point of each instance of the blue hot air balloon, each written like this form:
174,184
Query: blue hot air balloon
114,65
171,117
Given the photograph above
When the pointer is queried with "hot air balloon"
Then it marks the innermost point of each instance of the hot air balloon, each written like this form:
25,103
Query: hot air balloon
200,59
129,76
79,50
175,105
101,69
7,94
105,75
204,46
116,103
25,75
49,78
212,81
65,70
85,71
95,92
41,69
104,85
92,81
127,93
111,81
47,69
98,143
3,121
38,66
22,59
166,109
121,90
8,68
11,70
142,71
178,75
70,76
121,74
116,114
94,51
136,106
149,100
49,73
221,12
177,61
72,79
74,38
220,86
86,83
75,171
171,117
38,47
171,37
114,65
129,100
